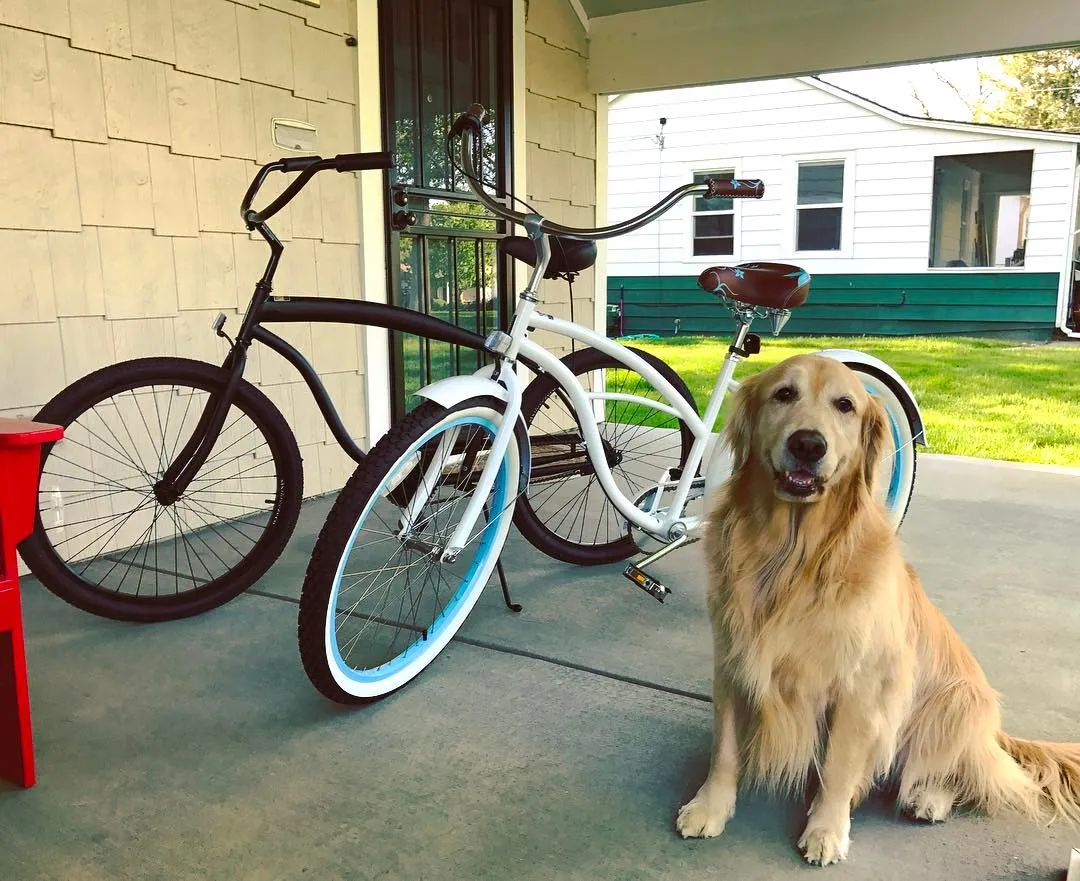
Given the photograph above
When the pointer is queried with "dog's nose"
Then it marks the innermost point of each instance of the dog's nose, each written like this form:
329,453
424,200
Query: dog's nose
807,445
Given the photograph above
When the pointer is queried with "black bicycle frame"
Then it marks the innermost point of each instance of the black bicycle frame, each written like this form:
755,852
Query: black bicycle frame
265,308
340,311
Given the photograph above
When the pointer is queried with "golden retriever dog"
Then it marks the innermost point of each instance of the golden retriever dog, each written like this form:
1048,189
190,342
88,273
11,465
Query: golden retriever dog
828,654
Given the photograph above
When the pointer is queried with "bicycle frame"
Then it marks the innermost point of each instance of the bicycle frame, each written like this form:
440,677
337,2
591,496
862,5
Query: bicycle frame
263,307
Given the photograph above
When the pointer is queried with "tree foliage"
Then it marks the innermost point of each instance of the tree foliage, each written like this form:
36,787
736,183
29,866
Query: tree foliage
1037,90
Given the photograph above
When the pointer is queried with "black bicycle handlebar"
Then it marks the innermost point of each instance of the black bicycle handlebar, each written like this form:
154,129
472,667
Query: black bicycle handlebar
470,123
308,166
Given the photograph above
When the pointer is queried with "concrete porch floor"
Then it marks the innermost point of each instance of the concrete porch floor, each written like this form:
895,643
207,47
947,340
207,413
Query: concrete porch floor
556,743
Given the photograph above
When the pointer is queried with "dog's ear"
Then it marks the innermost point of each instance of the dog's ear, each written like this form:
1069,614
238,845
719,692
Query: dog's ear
739,429
875,438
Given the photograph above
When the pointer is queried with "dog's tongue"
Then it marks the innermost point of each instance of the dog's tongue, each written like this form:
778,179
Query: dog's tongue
799,482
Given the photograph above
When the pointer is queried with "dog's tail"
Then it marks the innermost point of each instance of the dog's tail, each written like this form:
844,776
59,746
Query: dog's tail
1054,768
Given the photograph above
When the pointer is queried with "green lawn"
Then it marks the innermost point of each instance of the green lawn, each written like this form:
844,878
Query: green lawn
990,398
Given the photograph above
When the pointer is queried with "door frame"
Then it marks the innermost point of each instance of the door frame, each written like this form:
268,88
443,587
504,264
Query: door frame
511,121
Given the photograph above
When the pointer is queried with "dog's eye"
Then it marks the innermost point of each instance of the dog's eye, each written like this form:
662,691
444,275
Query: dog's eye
845,405
785,393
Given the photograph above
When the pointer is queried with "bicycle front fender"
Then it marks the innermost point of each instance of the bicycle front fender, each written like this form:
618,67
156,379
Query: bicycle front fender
899,387
455,389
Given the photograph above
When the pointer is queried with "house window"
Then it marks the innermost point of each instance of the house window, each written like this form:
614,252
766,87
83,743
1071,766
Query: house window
713,220
820,206
980,209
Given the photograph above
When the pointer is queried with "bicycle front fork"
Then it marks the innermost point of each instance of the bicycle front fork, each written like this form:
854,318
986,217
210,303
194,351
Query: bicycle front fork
182,470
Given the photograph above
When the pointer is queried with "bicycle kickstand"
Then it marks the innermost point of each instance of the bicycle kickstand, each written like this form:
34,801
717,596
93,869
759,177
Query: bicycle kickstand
512,606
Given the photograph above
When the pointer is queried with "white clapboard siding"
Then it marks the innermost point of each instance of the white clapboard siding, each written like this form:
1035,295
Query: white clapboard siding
763,130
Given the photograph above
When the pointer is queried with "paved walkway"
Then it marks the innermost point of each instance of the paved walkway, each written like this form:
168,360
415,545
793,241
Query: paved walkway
554,744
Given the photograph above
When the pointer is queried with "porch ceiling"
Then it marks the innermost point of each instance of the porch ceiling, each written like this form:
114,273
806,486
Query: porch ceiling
637,45
596,8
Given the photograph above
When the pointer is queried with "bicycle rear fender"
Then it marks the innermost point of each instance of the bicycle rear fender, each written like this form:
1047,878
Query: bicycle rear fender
899,387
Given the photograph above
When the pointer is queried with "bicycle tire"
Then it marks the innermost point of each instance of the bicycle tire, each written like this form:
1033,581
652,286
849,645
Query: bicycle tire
897,490
540,527
143,379
324,628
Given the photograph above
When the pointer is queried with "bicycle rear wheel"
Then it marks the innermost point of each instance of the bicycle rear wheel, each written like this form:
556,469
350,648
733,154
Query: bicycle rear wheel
378,603
105,543
564,512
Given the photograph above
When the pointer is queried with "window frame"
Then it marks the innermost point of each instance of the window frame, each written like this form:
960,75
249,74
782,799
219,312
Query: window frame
947,151
846,205
718,169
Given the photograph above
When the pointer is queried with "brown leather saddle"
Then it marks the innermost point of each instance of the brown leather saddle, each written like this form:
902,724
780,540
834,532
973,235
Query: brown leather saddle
568,255
772,285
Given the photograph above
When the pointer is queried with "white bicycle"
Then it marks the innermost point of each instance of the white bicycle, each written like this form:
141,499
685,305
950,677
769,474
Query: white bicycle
602,456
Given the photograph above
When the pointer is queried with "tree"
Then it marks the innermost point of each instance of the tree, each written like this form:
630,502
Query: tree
1037,90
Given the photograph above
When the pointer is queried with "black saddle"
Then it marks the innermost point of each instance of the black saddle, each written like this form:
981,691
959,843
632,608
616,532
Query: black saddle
567,254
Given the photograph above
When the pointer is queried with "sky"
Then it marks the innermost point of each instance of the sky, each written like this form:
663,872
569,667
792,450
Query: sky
894,86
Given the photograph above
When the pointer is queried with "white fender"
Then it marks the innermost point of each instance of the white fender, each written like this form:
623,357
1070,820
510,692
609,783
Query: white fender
455,389
907,397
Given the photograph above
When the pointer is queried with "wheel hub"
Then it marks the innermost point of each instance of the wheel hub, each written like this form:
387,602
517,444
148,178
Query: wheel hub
166,493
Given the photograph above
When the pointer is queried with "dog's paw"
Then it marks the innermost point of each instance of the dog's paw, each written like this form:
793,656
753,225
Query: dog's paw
822,844
704,817
931,804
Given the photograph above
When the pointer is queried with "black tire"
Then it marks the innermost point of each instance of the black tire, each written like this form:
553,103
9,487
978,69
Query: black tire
562,533
367,498
158,381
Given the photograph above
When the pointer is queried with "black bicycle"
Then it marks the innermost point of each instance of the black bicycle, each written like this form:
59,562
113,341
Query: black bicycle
178,482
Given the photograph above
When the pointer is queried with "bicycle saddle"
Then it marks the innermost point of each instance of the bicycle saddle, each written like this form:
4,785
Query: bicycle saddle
567,254
772,285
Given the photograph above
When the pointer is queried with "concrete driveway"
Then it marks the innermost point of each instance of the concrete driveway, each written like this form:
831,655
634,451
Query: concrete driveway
553,744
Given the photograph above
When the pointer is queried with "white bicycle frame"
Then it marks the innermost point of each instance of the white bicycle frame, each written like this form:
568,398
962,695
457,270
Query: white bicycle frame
671,521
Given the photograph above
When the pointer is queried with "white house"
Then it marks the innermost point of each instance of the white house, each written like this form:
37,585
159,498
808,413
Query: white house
907,225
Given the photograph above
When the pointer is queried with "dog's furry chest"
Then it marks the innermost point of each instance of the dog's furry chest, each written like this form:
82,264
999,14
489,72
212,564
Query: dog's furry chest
801,647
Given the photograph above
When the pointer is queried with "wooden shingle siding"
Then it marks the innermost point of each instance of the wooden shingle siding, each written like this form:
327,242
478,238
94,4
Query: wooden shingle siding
128,134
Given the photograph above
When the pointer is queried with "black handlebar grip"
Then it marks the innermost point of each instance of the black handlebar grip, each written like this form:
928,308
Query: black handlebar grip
362,161
299,163
472,118
733,188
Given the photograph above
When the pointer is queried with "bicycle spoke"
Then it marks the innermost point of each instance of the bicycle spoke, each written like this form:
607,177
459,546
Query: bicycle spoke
231,523
108,538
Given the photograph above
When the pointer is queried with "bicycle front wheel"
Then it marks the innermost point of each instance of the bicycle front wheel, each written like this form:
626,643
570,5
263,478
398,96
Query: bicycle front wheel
104,542
378,604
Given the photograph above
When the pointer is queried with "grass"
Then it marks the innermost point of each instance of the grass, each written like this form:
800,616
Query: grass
990,398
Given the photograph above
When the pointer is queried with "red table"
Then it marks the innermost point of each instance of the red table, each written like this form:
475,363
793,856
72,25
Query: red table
20,463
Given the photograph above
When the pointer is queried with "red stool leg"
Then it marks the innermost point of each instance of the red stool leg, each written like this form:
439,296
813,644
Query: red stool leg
20,462
16,738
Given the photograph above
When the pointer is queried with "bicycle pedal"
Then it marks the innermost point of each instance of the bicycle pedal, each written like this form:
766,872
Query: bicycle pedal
646,582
